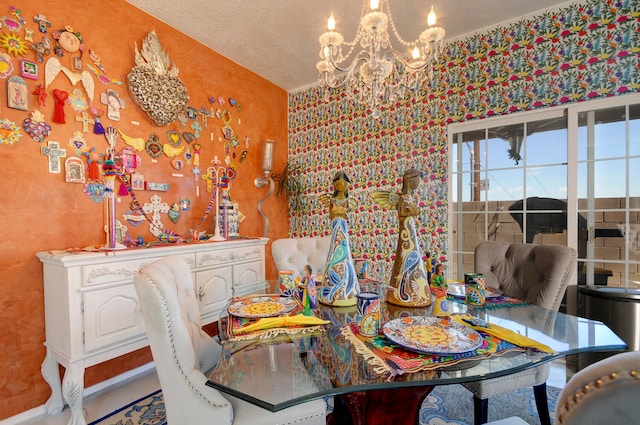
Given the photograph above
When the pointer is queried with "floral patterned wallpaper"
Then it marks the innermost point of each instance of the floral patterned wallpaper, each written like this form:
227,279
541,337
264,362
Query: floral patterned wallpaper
588,49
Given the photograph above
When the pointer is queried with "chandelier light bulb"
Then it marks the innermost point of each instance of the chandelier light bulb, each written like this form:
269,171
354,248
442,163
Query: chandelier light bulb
415,53
374,4
331,23
431,17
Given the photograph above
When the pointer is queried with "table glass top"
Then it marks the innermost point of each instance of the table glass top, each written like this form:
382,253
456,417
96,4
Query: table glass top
291,369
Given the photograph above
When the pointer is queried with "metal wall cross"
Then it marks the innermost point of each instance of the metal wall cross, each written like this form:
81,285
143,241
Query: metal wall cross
53,151
155,208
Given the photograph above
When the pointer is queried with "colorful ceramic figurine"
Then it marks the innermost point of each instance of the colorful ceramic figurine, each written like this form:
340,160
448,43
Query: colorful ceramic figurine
439,289
307,292
340,286
409,285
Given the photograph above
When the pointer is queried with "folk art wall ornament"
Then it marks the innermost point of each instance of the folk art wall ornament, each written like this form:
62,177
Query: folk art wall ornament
155,208
114,103
6,65
137,143
36,127
17,93
52,69
58,112
153,146
43,23
14,44
29,69
41,95
74,170
78,143
96,113
9,132
154,84
55,154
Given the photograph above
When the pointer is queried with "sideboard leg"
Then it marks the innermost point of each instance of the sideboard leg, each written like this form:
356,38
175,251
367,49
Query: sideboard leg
51,374
72,389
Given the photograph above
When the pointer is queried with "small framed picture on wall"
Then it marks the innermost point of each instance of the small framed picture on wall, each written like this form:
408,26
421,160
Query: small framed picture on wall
17,97
29,69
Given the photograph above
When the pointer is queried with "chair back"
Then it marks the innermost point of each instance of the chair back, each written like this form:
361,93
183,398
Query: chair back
294,253
538,274
605,392
181,349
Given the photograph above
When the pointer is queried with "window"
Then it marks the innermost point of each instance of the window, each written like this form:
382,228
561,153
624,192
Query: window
564,176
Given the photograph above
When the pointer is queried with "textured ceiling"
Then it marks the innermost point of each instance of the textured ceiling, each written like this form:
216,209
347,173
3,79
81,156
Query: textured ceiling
278,39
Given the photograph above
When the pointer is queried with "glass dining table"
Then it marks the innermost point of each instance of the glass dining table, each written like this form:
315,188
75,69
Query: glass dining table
373,381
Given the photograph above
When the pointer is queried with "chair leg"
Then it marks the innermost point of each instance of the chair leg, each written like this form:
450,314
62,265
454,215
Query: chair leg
480,410
540,393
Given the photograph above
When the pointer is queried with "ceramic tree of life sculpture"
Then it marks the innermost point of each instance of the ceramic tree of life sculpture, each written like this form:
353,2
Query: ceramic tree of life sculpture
154,84
340,287
409,285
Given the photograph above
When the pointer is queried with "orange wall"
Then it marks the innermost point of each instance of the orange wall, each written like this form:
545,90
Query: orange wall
39,211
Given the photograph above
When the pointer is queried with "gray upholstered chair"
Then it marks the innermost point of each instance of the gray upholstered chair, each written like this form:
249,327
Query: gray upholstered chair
538,274
606,392
182,352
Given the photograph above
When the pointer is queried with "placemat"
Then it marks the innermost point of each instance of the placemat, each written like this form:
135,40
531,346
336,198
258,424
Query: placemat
389,358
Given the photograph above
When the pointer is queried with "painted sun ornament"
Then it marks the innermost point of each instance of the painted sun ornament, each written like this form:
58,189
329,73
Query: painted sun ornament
14,44
9,132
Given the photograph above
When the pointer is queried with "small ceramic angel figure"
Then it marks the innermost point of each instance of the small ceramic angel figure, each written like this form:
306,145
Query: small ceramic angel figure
340,286
409,285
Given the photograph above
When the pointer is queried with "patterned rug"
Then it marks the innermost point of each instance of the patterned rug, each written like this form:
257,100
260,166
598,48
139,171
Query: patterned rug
446,405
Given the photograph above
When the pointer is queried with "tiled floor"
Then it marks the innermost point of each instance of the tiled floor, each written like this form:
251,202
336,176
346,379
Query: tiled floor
100,404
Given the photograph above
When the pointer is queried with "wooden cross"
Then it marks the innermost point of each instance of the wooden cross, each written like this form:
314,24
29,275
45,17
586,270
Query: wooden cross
53,151
155,208
85,120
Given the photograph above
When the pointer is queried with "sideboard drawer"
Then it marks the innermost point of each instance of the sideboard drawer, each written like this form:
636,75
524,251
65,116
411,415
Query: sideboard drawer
120,271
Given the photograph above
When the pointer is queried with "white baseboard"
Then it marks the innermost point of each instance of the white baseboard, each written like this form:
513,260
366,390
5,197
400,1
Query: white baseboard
92,390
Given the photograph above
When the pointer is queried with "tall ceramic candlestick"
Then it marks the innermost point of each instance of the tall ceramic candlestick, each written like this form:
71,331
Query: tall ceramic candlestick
216,172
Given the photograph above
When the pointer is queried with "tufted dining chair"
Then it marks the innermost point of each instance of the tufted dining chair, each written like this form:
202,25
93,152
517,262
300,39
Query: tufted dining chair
538,274
604,392
294,253
183,352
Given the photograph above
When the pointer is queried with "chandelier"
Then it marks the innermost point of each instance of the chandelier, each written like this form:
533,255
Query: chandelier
378,74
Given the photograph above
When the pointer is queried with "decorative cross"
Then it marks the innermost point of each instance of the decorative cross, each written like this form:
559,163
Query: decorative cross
42,22
205,114
85,120
196,129
155,208
53,151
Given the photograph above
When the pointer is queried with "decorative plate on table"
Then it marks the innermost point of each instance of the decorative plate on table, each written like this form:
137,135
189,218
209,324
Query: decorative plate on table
433,335
262,306
456,289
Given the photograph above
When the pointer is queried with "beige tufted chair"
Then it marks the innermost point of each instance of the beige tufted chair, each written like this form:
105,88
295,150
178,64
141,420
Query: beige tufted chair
182,352
538,274
294,253
606,392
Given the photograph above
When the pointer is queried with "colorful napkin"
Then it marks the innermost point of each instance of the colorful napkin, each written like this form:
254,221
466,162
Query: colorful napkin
500,332
240,328
282,321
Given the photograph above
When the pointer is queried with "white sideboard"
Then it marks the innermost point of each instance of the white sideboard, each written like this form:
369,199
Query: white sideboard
92,312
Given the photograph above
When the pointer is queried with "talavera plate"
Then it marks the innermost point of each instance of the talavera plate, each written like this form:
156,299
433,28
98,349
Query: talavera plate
433,335
262,306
